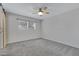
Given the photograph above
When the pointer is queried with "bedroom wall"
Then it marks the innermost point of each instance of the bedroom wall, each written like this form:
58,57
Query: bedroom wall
63,28
1,40
1,33
15,34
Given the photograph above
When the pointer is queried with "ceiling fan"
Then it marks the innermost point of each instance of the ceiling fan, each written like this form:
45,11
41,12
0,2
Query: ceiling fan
41,11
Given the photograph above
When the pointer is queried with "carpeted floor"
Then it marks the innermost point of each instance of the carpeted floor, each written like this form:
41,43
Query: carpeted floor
39,47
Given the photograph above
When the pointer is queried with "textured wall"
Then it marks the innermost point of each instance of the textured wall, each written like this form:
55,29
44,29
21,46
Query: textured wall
15,34
63,28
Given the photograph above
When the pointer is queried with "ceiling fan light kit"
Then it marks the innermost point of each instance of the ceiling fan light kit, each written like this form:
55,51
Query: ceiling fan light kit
42,11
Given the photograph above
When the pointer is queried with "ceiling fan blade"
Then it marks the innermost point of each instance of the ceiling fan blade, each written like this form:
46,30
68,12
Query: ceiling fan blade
45,8
45,13
35,11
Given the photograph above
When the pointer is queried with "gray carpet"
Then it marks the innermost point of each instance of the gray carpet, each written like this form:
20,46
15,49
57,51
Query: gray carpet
39,47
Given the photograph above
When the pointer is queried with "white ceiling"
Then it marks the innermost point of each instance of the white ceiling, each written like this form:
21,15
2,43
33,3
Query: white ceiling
26,9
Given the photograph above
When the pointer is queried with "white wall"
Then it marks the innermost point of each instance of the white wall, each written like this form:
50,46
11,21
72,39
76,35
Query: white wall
63,28
15,34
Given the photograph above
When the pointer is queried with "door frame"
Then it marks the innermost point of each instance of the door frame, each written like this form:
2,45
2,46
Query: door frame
5,34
